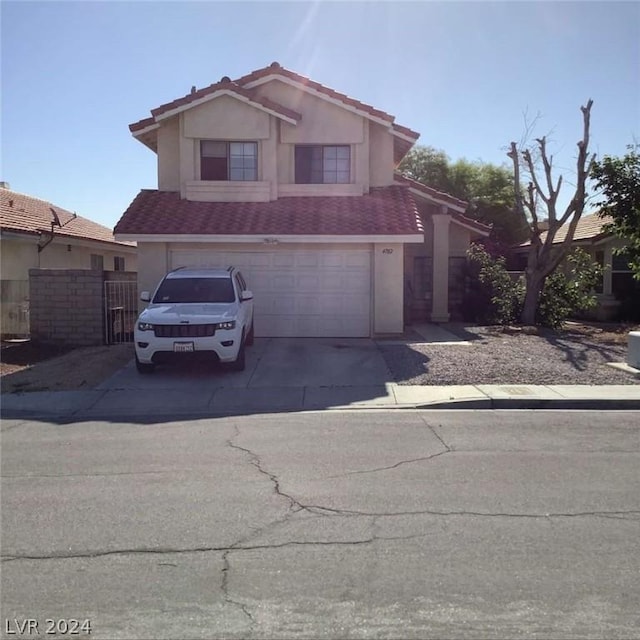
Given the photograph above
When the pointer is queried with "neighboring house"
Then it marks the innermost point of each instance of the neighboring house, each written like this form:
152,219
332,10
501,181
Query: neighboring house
38,234
617,284
295,184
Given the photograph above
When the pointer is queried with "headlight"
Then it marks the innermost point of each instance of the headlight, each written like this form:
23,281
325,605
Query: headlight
145,326
226,325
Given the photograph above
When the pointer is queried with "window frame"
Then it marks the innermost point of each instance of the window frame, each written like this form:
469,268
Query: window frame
331,162
119,263
242,161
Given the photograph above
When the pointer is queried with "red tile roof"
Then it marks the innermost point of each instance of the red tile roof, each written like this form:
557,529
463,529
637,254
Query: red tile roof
430,191
447,199
225,85
385,211
239,86
26,214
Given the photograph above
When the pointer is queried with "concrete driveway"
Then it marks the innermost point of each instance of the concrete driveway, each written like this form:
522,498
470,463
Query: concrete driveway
282,374
271,362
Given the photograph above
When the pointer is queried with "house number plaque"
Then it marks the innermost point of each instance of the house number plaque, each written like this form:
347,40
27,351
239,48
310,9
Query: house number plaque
387,251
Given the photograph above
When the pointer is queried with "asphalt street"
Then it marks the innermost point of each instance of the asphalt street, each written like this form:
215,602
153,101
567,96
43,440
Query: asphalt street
340,524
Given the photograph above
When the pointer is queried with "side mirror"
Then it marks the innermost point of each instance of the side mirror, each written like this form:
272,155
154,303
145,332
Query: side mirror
246,295
145,297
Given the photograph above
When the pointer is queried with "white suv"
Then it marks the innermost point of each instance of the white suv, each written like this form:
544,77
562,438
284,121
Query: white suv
205,313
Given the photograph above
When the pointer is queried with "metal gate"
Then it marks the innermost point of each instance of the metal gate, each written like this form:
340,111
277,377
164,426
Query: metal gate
14,308
120,310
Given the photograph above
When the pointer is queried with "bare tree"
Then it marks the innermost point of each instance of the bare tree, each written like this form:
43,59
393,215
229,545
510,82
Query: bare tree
541,195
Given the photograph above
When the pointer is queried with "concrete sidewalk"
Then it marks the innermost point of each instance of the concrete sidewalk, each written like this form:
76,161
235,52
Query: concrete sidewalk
129,403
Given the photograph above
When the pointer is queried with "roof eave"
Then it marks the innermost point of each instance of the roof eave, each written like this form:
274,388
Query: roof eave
436,200
163,115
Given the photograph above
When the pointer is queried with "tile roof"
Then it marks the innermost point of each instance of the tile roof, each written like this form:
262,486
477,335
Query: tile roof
26,214
430,191
447,199
384,211
239,86
589,228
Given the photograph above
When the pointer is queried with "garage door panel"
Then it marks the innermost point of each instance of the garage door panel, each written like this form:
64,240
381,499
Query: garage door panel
358,260
282,282
332,259
283,260
310,293
310,259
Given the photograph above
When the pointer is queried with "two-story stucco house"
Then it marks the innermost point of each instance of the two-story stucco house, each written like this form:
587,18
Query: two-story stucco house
295,184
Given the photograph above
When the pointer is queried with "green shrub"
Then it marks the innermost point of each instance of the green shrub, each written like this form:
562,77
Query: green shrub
492,296
568,291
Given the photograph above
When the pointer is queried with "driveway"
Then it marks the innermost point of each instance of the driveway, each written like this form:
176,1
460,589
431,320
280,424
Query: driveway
272,362
282,374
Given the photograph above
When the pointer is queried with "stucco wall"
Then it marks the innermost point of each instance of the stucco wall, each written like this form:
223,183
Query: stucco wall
380,156
169,155
18,256
459,241
152,266
388,289
225,118
322,122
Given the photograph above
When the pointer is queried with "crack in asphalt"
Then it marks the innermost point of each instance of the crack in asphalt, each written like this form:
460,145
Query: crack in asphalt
254,459
447,449
240,546
393,466
620,515
224,587
225,551
435,433
29,476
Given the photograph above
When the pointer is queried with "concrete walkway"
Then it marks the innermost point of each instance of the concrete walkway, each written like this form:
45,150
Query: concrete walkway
219,400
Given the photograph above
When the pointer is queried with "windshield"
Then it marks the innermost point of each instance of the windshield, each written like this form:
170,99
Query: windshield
195,290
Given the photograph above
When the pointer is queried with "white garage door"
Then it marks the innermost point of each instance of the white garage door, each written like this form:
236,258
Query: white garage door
299,293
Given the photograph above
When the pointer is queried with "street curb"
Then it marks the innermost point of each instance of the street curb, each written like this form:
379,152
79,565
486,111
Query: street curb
458,405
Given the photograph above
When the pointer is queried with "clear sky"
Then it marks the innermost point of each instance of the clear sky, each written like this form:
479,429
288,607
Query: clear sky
76,74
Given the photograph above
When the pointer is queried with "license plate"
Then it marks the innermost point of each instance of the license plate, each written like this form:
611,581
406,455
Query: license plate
181,347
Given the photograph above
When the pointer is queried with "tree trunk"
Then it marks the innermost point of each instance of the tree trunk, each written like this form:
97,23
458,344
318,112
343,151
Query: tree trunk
532,295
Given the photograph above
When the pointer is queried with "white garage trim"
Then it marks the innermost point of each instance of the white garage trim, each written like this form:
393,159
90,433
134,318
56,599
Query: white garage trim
302,292
267,239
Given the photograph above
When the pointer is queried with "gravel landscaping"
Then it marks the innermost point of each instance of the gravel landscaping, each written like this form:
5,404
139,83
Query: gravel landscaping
576,355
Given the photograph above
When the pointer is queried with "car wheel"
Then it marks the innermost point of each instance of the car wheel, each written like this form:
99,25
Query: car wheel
239,363
144,367
249,340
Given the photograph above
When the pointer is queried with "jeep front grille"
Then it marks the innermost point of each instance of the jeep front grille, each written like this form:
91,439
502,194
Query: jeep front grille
184,330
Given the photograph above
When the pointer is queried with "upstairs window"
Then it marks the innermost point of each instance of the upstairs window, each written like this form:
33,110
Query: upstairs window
221,160
323,164
118,263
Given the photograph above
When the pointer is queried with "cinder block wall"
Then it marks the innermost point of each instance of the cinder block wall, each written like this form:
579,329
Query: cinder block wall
67,306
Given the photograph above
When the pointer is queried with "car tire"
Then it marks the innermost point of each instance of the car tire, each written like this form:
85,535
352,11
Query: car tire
240,362
144,367
249,340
